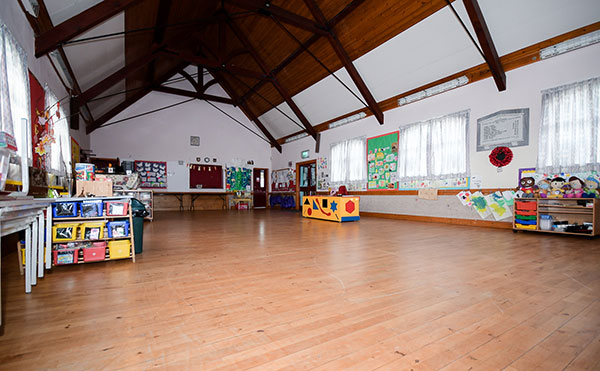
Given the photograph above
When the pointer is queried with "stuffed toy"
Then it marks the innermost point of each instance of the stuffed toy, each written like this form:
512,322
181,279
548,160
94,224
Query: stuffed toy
543,187
557,187
591,188
526,187
576,188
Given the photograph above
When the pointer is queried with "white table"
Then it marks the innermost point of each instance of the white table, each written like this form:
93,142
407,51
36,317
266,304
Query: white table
28,214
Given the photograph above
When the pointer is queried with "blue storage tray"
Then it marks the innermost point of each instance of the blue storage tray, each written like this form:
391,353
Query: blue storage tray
65,209
120,225
526,222
91,209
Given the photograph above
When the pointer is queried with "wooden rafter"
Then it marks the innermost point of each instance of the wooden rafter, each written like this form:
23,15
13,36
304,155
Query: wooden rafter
193,94
160,28
282,91
133,98
117,76
213,63
267,9
50,39
292,56
208,85
486,42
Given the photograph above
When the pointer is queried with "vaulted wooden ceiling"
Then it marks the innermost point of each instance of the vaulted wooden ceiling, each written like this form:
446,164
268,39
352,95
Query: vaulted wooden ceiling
262,53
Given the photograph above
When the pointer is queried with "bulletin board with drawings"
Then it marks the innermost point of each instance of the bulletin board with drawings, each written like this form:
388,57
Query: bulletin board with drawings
382,161
153,174
322,174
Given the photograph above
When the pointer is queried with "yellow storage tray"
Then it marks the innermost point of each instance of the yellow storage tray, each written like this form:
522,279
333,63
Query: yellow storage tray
92,231
523,226
119,249
64,232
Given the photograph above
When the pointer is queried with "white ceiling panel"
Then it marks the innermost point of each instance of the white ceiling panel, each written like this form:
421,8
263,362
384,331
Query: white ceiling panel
279,125
61,10
515,24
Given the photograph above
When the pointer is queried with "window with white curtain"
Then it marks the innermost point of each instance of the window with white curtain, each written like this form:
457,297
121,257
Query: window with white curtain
14,91
349,163
60,150
435,149
569,139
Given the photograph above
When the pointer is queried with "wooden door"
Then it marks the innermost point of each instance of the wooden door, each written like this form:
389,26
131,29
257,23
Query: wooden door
307,180
259,178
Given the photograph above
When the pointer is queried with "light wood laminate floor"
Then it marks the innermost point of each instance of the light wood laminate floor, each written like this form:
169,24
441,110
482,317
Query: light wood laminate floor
271,290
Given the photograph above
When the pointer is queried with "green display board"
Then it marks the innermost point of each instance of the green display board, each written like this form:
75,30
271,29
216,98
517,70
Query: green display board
382,161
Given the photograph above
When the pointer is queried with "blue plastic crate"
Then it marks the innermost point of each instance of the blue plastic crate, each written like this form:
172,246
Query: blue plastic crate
92,208
118,228
65,209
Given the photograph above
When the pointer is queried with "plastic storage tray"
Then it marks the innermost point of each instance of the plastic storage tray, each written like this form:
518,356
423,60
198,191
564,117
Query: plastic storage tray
64,232
526,205
64,209
90,209
119,249
92,231
96,252
66,256
117,208
117,229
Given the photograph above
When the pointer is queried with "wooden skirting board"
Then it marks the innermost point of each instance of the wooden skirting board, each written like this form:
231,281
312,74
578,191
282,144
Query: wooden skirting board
435,219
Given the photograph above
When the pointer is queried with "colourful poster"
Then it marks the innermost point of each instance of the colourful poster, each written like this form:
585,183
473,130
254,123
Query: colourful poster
238,179
382,161
153,174
322,174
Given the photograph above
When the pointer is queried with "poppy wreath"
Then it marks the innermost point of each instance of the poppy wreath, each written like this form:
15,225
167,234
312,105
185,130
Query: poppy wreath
501,156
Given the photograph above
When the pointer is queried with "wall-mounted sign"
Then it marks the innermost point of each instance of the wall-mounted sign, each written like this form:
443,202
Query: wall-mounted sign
194,141
508,128
305,154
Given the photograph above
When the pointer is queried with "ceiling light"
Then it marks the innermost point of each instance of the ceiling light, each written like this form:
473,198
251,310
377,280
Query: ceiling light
434,90
347,120
296,137
571,44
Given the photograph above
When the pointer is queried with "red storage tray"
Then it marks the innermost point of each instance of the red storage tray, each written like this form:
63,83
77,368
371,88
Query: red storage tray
526,205
95,253
66,256
117,208
526,213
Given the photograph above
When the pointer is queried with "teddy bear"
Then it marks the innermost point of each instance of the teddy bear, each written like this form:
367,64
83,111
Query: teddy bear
543,187
558,187
576,188
591,188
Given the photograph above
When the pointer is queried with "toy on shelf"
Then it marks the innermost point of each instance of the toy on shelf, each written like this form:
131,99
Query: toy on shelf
527,187
558,187
591,188
575,188
543,188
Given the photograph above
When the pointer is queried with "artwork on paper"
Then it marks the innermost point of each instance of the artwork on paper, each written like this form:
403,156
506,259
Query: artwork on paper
450,183
480,204
509,197
322,174
238,179
465,198
382,161
508,128
153,174
428,193
497,205
283,180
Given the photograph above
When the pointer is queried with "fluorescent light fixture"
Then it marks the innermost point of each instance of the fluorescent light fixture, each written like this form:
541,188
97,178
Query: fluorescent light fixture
434,90
571,44
296,137
347,120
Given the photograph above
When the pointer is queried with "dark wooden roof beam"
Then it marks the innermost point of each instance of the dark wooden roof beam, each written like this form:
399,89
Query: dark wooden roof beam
347,62
50,39
193,94
212,63
486,43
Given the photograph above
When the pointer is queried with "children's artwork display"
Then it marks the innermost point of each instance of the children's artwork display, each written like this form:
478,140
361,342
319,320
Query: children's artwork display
322,174
480,204
283,180
153,174
450,183
498,206
238,179
382,161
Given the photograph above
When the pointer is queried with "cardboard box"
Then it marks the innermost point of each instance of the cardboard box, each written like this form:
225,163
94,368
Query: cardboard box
86,188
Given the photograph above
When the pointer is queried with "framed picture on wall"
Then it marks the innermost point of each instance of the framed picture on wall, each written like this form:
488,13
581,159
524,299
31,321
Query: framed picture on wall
508,128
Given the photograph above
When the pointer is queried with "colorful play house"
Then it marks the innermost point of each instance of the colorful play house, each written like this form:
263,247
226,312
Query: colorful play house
337,209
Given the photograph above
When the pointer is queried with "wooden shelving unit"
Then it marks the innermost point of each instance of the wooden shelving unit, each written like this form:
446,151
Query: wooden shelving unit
146,196
128,217
570,210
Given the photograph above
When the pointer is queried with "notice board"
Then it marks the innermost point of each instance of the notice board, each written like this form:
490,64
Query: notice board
153,174
382,161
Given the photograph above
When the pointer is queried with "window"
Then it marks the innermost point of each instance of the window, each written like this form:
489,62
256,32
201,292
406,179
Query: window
349,163
60,149
14,91
569,132
435,149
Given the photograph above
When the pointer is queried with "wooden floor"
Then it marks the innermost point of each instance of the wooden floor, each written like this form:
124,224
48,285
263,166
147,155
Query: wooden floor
270,290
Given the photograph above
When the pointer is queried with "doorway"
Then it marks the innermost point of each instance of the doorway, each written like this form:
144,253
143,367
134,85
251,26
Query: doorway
259,180
307,180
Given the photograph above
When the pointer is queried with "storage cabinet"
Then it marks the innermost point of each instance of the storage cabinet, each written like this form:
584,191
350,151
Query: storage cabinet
577,216
146,196
106,235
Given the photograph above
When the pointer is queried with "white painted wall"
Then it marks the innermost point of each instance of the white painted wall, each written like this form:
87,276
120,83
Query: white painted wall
482,98
165,136
17,23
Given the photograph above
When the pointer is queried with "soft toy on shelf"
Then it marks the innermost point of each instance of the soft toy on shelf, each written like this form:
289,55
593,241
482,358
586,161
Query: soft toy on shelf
526,187
543,187
591,188
558,187
576,188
